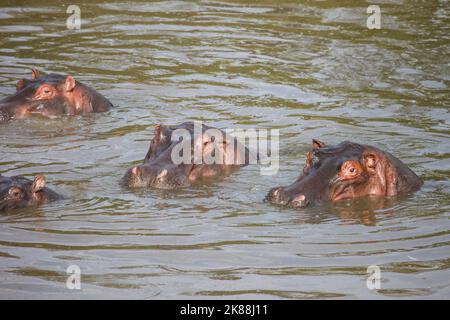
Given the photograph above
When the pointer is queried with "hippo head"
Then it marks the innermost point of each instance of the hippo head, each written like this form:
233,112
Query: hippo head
18,192
181,155
51,95
344,171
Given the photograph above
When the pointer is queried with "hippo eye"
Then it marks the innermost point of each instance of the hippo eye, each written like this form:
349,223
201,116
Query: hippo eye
46,90
43,93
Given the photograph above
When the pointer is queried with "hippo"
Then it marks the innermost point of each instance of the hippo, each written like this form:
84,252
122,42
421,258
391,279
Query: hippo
196,143
50,96
344,171
18,192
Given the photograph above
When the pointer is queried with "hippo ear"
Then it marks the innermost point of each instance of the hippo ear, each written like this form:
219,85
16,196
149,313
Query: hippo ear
69,83
34,74
157,133
155,142
370,162
38,184
20,84
317,144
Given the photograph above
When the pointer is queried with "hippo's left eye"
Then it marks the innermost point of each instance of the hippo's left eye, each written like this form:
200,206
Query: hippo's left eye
15,192
350,169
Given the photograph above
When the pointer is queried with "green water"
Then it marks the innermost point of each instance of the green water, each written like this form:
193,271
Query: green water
311,69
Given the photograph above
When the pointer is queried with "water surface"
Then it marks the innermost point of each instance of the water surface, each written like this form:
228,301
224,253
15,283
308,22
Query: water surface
310,69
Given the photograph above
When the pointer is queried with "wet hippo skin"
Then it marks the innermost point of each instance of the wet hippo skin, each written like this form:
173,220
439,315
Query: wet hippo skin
50,96
159,171
18,192
344,171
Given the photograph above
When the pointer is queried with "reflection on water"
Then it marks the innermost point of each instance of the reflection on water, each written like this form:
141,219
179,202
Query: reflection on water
311,70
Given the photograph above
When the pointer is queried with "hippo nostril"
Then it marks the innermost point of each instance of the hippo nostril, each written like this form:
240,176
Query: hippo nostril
162,174
135,171
275,193
299,201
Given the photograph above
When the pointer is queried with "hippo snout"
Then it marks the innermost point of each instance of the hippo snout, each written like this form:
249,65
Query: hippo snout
139,176
277,196
132,177
281,197
153,176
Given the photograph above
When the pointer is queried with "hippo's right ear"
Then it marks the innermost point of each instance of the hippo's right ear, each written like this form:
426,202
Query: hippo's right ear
69,83
34,74
158,130
317,144
38,184
370,162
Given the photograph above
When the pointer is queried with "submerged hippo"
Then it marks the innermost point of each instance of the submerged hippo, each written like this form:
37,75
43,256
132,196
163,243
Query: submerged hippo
51,95
344,171
206,153
19,192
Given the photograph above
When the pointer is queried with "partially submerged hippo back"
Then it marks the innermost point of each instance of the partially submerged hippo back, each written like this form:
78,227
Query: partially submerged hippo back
51,95
163,169
344,171
18,192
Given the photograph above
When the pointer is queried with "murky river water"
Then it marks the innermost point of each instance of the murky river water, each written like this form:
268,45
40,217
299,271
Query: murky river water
310,69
